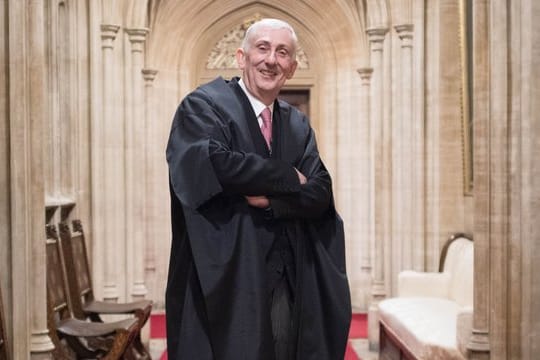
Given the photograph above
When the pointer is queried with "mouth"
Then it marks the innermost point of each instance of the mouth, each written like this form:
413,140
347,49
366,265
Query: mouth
268,73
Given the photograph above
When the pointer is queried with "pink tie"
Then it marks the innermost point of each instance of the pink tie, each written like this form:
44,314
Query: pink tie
266,127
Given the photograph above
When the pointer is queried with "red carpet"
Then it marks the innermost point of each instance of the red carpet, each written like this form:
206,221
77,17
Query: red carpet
358,330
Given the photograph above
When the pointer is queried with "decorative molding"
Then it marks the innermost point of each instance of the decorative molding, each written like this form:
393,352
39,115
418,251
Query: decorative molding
479,341
405,33
108,34
376,38
41,342
222,55
149,75
365,75
109,31
137,37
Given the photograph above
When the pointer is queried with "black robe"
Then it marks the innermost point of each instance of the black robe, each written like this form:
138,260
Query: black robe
217,292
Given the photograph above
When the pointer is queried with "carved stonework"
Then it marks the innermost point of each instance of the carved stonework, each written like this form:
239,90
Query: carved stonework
222,56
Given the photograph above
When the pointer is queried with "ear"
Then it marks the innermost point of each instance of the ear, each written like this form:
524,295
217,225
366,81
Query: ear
292,70
240,58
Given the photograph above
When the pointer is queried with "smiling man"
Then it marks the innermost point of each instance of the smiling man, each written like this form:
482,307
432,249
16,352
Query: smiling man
257,267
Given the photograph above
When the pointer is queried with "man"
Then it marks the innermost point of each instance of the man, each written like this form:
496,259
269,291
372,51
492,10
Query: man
257,266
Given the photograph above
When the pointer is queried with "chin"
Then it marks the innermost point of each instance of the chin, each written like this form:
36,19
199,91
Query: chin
267,87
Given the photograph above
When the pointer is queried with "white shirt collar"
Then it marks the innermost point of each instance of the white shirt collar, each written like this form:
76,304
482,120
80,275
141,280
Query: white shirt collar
256,104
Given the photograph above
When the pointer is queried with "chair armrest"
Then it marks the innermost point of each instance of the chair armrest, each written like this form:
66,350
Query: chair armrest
420,284
102,307
464,323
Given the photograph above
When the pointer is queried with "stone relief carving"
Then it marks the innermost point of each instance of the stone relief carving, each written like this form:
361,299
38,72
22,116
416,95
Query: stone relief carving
222,56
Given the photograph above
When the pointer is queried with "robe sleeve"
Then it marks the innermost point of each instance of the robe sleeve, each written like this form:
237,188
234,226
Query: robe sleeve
250,174
315,197
197,130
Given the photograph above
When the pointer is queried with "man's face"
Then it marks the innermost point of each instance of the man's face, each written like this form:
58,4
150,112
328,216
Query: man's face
268,63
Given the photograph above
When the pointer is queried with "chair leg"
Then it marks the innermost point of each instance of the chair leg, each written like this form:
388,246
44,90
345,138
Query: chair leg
140,349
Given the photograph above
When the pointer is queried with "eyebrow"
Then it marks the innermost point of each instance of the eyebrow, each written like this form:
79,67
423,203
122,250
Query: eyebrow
261,42
269,43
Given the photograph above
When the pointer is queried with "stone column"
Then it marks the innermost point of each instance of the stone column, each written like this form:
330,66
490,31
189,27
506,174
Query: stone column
27,111
525,222
378,182
406,159
40,342
136,150
344,191
361,176
479,344
152,156
106,188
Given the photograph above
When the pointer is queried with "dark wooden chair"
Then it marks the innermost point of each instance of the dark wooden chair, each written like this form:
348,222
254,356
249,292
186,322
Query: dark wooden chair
74,338
85,306
3,336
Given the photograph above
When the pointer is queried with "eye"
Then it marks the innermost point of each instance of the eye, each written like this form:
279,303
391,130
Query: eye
262,47
283,52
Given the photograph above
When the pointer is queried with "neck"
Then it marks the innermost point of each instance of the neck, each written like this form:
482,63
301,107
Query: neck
267,99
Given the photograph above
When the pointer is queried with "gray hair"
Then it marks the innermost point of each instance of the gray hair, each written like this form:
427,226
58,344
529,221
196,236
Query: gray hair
268,23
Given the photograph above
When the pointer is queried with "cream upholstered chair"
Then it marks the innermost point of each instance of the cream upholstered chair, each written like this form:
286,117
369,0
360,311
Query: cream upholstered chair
431,317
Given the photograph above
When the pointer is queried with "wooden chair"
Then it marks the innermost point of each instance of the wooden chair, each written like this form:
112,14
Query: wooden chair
73,247
3,336
74,338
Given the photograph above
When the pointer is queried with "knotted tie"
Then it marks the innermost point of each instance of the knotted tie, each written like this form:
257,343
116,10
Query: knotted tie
266,127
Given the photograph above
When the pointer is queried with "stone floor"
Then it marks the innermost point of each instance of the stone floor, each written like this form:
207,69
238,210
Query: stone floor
361,347
157,347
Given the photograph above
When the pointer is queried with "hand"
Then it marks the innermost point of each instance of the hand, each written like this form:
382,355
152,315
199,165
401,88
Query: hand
301,177
260,202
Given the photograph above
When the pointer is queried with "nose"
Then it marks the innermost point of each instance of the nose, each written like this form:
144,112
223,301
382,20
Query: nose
271,57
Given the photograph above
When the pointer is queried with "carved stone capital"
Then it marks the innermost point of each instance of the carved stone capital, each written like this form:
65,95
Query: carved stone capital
365,75
377,34
149,75
108,34
376,37
405,33
137,36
